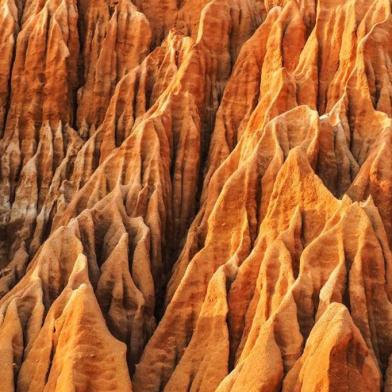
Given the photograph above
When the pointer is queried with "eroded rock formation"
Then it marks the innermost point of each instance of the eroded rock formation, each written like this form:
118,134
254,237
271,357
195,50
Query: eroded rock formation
195,195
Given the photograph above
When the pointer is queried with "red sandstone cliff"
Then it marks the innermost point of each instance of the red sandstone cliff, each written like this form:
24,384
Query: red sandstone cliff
195,195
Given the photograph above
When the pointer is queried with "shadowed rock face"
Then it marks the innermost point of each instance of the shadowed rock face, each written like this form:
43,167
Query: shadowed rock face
195,195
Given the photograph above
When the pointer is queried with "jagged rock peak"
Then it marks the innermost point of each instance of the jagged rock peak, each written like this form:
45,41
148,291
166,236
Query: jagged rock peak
195,195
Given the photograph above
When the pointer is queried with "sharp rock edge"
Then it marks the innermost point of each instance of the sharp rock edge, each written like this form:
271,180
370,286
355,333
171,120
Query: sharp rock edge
195,195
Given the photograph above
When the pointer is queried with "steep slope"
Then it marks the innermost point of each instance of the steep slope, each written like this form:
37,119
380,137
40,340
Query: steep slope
196,195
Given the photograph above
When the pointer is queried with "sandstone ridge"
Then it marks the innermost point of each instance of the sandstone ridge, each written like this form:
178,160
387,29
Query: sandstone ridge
196,195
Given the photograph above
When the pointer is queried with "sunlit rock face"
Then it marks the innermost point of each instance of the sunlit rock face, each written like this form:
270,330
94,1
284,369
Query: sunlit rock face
195,195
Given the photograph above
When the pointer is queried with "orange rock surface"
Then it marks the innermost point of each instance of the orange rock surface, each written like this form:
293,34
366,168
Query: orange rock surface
196,195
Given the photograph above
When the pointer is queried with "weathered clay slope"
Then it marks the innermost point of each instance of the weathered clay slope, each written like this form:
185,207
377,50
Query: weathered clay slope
195,195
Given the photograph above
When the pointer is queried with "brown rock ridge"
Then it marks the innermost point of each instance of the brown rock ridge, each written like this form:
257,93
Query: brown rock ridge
195,195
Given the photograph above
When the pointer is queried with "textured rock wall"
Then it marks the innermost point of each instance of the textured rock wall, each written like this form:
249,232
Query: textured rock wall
195,195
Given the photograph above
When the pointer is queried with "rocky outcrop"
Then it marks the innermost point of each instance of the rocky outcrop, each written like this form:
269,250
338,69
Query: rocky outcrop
195,195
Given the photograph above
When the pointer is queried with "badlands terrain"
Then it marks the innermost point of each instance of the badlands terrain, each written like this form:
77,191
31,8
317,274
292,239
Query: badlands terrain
195,195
